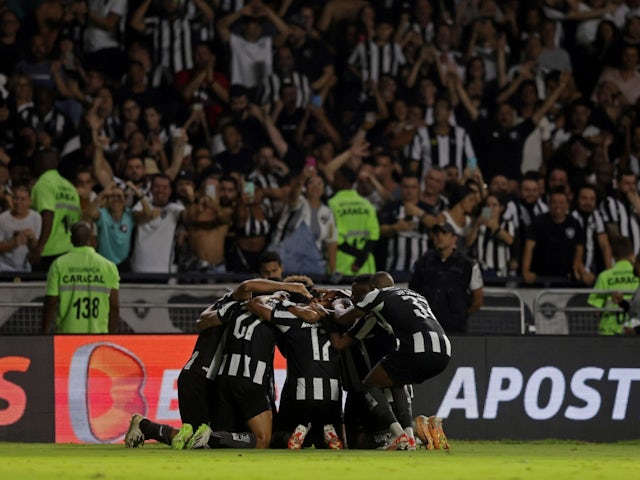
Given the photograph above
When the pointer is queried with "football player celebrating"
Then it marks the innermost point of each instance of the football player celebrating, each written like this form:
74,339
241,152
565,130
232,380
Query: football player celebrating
423,352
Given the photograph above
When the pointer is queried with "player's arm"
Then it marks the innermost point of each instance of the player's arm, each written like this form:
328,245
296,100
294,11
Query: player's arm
311,313
49,310
208,318
340,341
114,311
346,316
258,306
45,233
262,285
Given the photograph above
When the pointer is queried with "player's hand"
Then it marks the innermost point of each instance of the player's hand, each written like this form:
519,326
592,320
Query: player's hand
529,277
299,288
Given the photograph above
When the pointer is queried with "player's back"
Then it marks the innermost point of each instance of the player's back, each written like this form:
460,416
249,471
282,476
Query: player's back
312,363
406,312
250,344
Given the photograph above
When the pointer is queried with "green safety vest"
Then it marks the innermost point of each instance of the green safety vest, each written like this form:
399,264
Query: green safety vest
83,280
57,194
356,223
618,278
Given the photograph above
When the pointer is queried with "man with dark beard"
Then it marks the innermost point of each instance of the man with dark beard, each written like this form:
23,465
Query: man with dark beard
597,249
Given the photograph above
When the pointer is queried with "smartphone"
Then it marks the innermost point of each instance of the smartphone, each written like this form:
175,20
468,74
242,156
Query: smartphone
316,101
472,163
486,212
249,189
211,191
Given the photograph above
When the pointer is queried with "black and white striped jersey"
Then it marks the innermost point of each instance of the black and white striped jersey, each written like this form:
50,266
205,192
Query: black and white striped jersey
373,60
312,363
409,315
623,215
593,225
271,88
250,345
374,341
430,149
493,253
406,247
173,38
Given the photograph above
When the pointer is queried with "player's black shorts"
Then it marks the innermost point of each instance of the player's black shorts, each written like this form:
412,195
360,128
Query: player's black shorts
238,400
195,398
407,368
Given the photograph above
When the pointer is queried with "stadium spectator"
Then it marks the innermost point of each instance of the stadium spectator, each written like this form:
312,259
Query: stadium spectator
155,229
626,77
82,289
204,84
403,228
554,244
11,47
495,236
115,224
285,72
19,232
312,248
102,35
170,25
620,209
251,52
441,144
597,248
462,215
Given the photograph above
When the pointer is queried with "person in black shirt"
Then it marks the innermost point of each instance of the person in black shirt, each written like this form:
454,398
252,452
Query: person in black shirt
501,147
449,280
555,243
423,351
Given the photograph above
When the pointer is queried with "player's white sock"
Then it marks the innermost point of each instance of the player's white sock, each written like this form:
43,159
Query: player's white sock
409,432
396,429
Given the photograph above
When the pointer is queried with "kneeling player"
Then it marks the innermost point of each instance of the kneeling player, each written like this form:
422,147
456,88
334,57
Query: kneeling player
423,352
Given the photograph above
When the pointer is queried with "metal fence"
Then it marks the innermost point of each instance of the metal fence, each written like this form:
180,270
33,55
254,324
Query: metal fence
174,309
503,313
566,311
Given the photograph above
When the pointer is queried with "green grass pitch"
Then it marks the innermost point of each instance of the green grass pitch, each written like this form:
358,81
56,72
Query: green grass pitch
466,460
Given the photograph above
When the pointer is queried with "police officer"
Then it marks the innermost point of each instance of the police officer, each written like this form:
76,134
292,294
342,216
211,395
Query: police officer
449,280
82,289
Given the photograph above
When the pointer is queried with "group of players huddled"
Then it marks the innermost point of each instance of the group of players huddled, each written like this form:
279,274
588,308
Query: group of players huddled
373,342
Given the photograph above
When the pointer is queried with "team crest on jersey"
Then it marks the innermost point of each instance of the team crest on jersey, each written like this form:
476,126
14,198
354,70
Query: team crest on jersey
570,232
124,228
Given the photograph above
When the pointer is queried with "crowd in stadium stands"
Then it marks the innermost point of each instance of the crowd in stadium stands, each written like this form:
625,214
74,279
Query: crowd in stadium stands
200,134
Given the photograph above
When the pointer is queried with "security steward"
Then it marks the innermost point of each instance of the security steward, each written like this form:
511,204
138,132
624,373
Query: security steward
82,289
449,280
